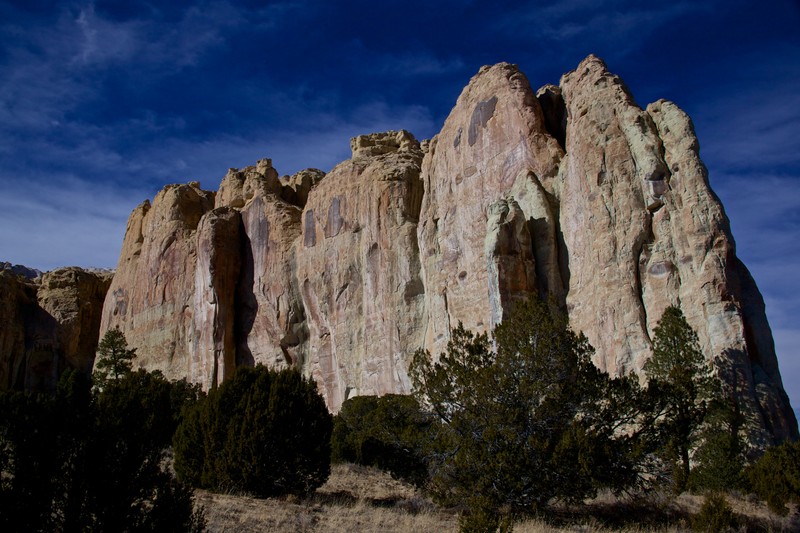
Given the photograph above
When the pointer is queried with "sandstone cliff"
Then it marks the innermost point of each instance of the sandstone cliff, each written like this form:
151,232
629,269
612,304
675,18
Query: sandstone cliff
49,324
572,192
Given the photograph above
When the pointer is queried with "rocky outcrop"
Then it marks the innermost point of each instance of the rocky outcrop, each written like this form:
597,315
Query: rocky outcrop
493,141
572,192
152,296
358,269
20,270
48,325
74,298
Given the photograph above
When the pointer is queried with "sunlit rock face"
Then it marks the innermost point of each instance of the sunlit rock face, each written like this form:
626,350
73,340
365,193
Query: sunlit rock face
152,296
493,142
572,192
358,269
47,325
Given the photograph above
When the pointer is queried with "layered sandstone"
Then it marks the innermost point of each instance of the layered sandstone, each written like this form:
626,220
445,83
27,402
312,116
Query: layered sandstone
358,269
494,141
48,325
572,192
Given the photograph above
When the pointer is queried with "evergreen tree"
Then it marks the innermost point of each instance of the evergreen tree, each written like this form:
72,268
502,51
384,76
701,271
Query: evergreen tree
681,386
262,431
720,456
775,477
113,357
532,421
388,432
75,461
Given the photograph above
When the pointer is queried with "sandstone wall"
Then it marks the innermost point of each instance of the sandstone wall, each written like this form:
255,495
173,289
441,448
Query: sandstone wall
573,192
48,324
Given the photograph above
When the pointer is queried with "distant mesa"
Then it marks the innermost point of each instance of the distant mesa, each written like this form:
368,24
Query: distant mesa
50,322
571,192
20,270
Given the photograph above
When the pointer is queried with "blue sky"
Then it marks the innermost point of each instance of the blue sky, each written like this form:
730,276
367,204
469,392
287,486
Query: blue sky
102,103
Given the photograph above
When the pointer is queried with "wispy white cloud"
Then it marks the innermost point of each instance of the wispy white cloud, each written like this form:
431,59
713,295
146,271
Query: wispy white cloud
420,64
754,124
52,221
592,24
292,149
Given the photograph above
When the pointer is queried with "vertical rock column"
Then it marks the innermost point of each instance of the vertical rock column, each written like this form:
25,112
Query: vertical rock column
213,354
358,269
152,295
269,317
613,151
494,145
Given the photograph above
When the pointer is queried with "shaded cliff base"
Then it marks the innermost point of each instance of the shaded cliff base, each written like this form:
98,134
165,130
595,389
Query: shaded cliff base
358,498
49,322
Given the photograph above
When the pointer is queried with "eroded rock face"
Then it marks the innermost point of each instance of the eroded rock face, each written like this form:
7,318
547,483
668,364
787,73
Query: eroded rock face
74,298
152,296
572,193
48,325
495,139
359,272
643,231
213,352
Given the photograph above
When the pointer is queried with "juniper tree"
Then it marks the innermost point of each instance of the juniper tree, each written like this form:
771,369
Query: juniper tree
524,423
262,431
680,380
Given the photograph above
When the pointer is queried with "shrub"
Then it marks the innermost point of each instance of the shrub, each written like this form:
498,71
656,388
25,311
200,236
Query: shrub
387,432
82,462
775,477
715,515
533,421
263,432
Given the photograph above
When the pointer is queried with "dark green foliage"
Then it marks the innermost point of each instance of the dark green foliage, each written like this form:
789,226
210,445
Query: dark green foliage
680,386
775,478
113,357
262,432
715,515
137,416
534,421
719,458
388,432
74,462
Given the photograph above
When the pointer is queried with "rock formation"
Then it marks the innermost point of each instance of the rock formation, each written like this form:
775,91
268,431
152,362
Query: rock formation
571,192
49,324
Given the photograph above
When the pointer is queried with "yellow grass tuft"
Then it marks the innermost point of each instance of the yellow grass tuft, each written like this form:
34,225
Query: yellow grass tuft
357,499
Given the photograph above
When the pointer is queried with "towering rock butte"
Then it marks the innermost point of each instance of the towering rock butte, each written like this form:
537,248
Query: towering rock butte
572,192
48,324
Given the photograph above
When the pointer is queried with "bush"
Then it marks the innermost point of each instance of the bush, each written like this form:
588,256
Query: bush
533,421
719,458
386,432
262,432
82,462
715,515
137,416
775,477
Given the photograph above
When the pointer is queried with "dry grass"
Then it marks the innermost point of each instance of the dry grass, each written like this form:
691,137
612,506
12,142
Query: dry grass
357,499
354,499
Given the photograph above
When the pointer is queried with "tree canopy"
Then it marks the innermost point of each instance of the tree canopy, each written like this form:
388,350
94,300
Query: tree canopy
262,431
114,358
522,424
